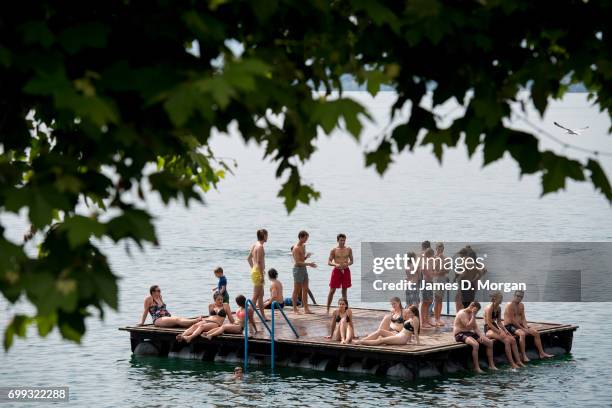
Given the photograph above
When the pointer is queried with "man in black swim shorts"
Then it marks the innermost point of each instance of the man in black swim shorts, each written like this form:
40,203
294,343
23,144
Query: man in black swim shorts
466,331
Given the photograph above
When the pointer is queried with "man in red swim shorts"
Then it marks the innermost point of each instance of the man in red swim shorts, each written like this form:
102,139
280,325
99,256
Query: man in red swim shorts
340,257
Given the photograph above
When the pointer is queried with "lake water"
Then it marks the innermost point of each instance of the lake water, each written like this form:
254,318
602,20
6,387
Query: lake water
417,199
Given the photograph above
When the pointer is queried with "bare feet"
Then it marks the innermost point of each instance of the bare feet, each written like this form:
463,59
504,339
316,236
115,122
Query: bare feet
206,336
308,311
477,370
296,310
493,367
440,323
546,355
525,359
328,337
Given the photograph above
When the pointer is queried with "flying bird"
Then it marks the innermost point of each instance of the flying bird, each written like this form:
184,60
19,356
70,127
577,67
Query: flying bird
571,131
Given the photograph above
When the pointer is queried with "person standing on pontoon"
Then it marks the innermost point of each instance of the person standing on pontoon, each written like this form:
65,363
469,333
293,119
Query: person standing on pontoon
427,272
516,324
440,278
413,276
300,272
340,258
257,262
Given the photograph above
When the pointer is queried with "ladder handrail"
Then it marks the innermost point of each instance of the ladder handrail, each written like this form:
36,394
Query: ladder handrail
246,329
275,305
246,310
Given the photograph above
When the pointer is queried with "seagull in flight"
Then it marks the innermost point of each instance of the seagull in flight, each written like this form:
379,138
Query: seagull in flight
571,131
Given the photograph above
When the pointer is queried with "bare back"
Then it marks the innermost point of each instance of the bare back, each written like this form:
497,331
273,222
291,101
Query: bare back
276,291
257,256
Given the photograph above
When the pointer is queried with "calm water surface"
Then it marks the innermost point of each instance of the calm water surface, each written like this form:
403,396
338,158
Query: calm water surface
417,199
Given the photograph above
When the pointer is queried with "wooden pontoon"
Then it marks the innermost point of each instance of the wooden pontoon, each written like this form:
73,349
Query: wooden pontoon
437,354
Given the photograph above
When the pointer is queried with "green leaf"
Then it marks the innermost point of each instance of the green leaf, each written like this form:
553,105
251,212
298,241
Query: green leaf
599,179
557,169
17,327
404,135
37,32
293,191
45,323
438,139
495,144
84,35
81,228
380,158
135,224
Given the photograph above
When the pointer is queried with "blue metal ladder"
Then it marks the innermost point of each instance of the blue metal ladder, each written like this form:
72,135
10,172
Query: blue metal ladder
271,331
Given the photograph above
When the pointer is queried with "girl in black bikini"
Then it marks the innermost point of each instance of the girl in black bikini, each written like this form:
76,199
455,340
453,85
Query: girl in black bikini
410,328
237,326
154,305
343,319
494,329
217,312
391,324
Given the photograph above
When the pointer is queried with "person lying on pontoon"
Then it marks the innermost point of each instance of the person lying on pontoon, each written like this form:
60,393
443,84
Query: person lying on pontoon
154,304
217,313
516,324
238,325
342,328
410,327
